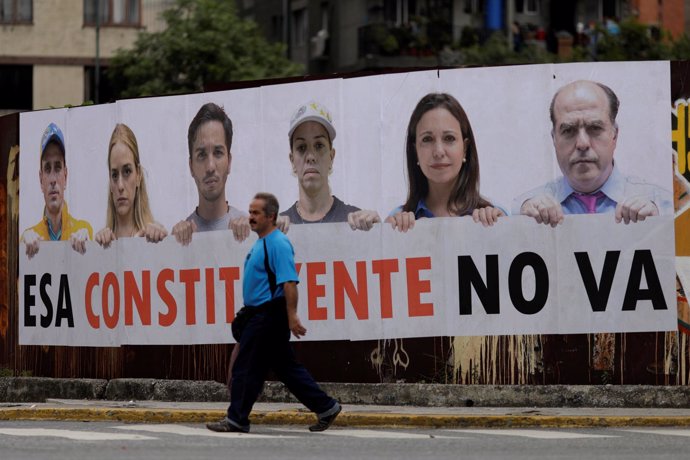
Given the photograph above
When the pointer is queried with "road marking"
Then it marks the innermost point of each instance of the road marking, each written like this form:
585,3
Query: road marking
376,434
356,433
675,432
190,431
536,434
73,434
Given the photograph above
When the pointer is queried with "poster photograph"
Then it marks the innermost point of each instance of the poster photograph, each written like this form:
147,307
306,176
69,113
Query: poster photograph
563,220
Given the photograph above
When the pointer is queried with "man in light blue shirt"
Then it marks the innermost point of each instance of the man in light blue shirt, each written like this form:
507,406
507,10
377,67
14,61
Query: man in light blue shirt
584,133
269,289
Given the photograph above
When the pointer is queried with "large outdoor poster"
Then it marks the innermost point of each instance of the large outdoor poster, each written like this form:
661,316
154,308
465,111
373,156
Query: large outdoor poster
550,143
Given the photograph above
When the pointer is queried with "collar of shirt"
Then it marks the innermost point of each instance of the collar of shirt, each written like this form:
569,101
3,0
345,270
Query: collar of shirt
422,211
64,221
613,188
53,235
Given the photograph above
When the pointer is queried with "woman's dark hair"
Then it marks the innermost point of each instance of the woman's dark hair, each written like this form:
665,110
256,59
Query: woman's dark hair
464,197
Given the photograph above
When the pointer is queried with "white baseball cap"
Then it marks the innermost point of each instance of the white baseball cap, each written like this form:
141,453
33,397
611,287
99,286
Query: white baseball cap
312,111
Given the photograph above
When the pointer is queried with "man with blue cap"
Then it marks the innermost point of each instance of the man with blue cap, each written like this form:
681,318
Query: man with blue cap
57,224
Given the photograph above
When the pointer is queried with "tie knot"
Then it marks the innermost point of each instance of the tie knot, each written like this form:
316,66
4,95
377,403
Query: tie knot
589,200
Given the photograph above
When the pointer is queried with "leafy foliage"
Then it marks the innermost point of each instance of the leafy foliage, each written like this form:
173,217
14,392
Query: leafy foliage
496,51
635,42
204,42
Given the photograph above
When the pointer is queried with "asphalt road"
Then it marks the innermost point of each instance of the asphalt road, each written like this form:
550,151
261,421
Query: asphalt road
105,440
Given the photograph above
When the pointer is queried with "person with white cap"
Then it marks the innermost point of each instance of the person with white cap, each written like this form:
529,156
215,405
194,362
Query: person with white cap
311,138
57,224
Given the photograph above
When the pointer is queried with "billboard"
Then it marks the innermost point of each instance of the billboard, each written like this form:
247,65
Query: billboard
587,272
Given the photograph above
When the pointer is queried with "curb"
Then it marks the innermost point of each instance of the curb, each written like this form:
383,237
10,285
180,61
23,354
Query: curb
39,389
353,419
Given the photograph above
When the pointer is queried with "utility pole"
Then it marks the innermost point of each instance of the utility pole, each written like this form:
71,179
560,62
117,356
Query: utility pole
97,79
510,8
286,27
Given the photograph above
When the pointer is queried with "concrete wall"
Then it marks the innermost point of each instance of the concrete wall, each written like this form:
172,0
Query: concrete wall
57,85
669,14
673,16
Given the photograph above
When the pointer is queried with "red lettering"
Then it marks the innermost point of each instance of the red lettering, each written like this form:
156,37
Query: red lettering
384,268
91,283
417,287
229,275
342,284
210,298
167,319
133,295
110,283
315,291
189,278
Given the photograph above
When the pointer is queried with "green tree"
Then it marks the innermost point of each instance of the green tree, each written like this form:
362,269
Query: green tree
496,51
204,42
634,43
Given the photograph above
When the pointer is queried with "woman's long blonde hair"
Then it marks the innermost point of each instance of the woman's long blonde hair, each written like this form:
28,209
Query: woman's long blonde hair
142,211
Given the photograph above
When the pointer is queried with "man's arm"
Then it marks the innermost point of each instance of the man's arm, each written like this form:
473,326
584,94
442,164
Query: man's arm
290,290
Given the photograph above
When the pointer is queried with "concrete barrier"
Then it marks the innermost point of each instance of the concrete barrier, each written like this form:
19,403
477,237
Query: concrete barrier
37,389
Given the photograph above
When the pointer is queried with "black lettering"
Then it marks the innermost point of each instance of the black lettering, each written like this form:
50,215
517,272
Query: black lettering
29,300
64,308
469,277
46,320
598,293
643,261
541,280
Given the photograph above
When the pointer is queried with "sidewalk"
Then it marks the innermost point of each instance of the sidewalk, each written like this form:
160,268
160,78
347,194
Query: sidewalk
353,415
381,405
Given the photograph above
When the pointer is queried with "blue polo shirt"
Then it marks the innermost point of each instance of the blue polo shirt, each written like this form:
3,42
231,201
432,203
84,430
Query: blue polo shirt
281,258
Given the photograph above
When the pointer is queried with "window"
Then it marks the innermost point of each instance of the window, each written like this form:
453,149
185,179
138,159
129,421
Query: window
18,80
299,27
397,11
474,6
16,11
527,6
277,29
112,12
324,16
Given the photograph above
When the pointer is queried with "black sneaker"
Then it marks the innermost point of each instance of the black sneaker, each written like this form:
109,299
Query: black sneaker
325,422
224,426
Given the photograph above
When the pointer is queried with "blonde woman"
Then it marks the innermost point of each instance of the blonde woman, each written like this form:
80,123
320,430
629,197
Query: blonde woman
128,212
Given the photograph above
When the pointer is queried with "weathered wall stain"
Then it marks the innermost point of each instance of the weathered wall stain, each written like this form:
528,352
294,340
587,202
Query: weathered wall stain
497,359
393,347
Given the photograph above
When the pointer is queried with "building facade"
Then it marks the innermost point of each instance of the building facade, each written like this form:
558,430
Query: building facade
50,49
351,35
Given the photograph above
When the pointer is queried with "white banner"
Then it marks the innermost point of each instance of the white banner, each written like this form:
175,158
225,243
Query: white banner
448,277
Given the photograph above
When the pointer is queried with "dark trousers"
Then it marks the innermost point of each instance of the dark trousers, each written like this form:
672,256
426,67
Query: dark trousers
265,345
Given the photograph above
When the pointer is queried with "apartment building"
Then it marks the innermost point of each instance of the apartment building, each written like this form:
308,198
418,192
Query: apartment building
350,35
50,49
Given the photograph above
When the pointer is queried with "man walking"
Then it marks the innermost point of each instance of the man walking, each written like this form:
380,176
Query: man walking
269,289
